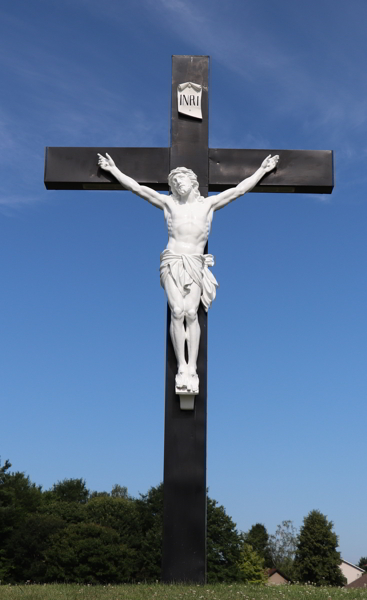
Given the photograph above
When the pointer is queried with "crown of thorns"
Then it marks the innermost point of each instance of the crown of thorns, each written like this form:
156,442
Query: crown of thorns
190,174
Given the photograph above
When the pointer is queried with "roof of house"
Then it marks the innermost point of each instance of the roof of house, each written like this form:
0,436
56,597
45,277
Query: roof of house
352,565
272,571
361,582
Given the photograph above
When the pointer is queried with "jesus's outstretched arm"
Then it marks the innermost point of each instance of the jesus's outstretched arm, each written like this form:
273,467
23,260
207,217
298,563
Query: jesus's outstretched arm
107,163
246,185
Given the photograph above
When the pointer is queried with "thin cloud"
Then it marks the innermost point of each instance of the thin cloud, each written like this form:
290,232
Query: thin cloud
10,204
72,108
185,11
255,56
245,140
240,52
7,141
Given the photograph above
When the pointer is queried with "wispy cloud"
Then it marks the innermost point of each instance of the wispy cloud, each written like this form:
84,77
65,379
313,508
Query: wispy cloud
243,140
254,54
234,45
60,104
10,204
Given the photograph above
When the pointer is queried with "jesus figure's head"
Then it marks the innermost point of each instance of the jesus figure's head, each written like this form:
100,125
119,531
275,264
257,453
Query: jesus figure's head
180,180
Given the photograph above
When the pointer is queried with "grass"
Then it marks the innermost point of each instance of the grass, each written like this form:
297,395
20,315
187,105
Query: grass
177,592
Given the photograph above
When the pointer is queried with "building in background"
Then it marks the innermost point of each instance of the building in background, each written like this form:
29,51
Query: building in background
351,572
275,577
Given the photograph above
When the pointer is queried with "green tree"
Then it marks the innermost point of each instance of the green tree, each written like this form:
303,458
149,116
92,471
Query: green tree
363,563
258,538
282,546
71,490
121,515
252,565
19,498
71,512
88,553
150,534
119,491
317,559
27,545
4,469
224,546
98,495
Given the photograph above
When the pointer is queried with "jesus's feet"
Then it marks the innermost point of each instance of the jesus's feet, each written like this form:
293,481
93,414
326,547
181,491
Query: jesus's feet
187,381
180,380
192,382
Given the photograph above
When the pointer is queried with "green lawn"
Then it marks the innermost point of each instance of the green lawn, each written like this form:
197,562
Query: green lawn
176,592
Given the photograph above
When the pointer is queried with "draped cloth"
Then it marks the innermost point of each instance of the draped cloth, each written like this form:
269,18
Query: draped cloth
186,268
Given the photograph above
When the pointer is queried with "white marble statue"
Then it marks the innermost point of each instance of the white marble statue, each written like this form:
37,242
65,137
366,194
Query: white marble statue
184,271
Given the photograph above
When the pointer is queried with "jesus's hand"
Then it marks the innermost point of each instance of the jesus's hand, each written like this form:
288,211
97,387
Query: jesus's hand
106,163
270,163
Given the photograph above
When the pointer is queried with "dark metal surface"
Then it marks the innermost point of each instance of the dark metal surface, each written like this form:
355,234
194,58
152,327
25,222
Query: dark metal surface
184,516
300,171
185,432
77,168
189,136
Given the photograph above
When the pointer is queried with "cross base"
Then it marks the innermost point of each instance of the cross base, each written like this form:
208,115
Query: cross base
187,400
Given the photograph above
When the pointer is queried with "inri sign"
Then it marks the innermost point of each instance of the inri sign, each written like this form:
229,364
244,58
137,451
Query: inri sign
189,99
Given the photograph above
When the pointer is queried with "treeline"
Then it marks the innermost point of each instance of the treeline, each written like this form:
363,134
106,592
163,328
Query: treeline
68,534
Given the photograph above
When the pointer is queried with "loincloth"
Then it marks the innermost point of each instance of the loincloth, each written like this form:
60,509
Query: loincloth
186,268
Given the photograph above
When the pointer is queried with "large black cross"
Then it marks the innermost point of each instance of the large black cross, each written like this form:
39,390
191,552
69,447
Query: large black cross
299,171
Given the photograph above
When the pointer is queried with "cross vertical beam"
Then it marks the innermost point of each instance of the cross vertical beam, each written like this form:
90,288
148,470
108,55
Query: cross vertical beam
185,434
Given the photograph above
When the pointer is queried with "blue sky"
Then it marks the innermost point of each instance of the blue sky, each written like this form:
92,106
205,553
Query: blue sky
82,312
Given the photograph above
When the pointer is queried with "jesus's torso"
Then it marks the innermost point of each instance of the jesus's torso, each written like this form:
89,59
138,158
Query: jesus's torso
188,225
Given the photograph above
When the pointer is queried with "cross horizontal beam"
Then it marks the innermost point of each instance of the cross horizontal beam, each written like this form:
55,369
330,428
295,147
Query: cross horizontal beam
70,168
298,171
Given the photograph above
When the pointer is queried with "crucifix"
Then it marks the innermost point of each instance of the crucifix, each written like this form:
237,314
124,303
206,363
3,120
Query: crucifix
183,269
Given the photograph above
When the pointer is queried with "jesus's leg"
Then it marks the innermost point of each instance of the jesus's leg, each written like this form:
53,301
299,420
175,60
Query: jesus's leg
177,329
191,303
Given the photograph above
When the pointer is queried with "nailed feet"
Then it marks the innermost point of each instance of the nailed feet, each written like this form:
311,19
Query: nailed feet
187,381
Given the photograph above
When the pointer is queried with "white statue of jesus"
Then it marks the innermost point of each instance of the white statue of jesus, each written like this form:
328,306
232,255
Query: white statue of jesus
184,271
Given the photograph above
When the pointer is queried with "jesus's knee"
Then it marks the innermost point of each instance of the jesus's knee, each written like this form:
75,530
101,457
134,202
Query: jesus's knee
191,314
177,312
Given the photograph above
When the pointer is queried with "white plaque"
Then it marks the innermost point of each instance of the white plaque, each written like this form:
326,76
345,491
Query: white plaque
189,99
